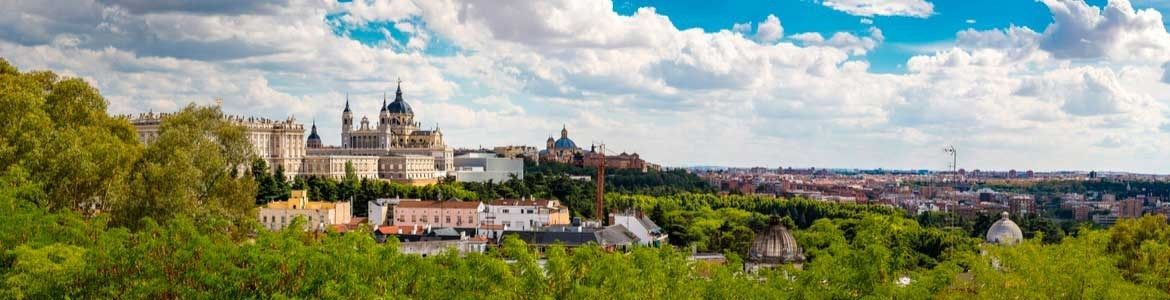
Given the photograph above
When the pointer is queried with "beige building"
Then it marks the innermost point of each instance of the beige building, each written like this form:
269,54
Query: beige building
407,167
333,166
395,148
319,215
278,142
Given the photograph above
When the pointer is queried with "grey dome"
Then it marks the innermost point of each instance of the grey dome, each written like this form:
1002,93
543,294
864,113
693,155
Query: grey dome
399,106
1004,231
775,246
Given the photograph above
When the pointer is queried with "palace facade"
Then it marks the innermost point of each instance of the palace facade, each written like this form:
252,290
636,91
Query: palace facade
395,148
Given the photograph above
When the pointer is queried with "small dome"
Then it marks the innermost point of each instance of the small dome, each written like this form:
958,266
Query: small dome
565,143
775,246
1004,231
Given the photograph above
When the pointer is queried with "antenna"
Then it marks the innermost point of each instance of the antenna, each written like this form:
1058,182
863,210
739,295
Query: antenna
950,149
599,210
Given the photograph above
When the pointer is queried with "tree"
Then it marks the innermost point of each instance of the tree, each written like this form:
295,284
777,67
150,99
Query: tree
57,130
188,171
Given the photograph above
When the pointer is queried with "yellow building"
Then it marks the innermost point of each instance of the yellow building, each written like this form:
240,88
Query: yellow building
319,214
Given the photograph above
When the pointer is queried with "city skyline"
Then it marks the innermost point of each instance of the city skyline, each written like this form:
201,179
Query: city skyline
1048,85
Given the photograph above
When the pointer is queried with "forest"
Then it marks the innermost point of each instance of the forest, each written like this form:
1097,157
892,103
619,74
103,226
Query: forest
92,213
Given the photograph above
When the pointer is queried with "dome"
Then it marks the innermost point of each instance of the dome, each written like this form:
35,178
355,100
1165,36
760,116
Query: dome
775,246
564,143
1004,231
399,106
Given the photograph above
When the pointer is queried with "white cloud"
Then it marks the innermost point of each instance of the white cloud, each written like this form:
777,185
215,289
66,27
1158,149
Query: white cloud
769,31
1118,31
639,82
869,8
845,41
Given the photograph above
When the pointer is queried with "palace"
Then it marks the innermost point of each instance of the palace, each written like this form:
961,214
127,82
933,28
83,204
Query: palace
394,149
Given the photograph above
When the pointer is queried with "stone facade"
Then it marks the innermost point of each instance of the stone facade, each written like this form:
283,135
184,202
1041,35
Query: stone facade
395,148
278,142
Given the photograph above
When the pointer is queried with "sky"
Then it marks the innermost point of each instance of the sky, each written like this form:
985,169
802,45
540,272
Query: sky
1026,85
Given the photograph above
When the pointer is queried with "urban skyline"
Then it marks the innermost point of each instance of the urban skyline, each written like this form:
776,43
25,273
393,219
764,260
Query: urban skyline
1045,86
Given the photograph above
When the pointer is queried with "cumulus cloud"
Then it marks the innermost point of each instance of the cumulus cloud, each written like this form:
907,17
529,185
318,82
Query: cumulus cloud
845,41
1117,31
638,81
769,31
869,8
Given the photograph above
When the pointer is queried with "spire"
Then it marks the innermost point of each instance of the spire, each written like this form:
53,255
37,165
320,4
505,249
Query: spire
564,131
398,93
383,101
346,102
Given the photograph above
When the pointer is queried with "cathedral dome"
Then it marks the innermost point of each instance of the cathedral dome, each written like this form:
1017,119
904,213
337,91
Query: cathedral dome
564,143
775,246
1004,231
399,106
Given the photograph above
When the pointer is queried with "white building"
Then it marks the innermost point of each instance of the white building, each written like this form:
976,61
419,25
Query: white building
483,167
645,230
523,215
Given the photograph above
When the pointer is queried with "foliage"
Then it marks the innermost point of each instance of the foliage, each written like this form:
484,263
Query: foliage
175,219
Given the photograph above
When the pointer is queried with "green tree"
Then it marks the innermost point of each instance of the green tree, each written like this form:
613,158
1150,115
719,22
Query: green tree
192,169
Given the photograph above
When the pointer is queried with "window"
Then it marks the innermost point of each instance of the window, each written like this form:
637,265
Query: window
436,219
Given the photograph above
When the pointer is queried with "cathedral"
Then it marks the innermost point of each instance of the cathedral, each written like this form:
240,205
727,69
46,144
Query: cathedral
396,128
395,140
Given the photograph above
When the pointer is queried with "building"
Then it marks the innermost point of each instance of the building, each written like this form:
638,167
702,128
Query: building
524,214
525,152
645,231
562,150
457,214
1130,208
1004,231
333,166
278,142
408,168
484,167
773,247
318,215
378,211
620,161
609,237
386,150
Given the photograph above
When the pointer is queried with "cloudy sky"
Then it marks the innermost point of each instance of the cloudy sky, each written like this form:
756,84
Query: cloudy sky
1043,85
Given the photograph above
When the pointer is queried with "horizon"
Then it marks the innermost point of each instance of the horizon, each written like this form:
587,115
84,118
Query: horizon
1048,86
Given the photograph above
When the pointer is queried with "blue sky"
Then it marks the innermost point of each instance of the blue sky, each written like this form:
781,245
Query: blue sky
1043,85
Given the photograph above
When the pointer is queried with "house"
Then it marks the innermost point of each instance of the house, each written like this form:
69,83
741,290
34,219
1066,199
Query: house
646,232
524,215
319,215
457,214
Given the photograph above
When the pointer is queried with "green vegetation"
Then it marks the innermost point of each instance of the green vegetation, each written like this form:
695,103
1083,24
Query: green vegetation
89,212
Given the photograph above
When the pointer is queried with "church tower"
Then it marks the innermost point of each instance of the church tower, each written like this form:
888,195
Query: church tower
384,115
346,123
